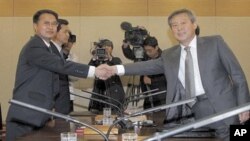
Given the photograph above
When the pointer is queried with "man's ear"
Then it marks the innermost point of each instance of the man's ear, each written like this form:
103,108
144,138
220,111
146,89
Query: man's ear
35,27
195,25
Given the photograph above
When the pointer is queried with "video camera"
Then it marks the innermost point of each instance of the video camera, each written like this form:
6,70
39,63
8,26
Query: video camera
99,51
136,36
72,38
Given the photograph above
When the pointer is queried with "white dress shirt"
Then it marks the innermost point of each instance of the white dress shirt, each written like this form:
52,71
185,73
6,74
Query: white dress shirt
197,78
199,90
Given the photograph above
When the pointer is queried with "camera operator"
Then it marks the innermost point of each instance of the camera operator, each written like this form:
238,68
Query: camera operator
153,51
111,87
137,53
134,36
129,53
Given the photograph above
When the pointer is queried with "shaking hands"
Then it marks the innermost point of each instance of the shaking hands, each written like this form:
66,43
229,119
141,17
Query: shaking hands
105,71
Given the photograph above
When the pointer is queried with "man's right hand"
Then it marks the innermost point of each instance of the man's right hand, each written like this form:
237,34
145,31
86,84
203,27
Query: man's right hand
105,71
125,44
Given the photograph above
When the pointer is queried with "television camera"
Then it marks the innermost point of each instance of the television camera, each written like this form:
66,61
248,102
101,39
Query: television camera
72,38
135,36
99,52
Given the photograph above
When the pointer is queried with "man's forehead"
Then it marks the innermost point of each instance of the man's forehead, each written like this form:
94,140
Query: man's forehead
177,19
47,16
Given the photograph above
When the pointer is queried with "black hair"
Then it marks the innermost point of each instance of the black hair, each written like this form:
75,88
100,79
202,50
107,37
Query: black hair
60,23
106,42
150,41
197,30
37,15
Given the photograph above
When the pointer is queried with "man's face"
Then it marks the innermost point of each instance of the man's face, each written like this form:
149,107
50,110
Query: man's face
151,51
62,35
108,49
46,26
68,46
183,29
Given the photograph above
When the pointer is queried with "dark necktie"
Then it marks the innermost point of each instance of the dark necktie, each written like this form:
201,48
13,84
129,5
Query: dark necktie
50,49
189,74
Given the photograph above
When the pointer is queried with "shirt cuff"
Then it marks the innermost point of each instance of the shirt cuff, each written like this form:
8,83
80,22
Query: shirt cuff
120,69
91,72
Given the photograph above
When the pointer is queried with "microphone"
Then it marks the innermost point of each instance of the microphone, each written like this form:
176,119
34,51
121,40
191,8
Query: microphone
123,106
102,101
201,122
104,96
126,26
145,96
174,104
59,115
137,95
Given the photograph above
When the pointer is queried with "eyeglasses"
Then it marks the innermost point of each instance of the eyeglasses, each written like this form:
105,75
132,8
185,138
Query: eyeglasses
47,23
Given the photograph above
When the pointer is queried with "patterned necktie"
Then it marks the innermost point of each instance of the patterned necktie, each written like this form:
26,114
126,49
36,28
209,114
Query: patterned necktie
189,74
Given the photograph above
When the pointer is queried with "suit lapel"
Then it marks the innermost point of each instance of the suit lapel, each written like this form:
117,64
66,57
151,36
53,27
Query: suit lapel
174,63
55,50
201,55
40,42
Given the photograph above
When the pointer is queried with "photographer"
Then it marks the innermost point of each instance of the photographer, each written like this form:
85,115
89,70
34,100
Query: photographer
111,87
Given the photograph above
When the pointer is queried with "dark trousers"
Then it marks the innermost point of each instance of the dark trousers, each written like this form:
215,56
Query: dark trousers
16,129
203,108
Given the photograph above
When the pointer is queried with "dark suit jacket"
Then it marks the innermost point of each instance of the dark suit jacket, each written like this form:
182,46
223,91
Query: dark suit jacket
37,81
221,74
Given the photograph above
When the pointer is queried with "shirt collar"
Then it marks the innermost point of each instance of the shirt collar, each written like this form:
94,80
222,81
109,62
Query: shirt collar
59,48
46,43
192,44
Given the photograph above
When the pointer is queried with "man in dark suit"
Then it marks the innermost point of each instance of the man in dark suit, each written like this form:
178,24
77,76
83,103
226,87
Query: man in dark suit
37,80
62,100
220,83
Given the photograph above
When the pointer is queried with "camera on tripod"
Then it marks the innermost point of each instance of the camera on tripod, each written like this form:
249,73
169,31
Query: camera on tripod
136,36
99,52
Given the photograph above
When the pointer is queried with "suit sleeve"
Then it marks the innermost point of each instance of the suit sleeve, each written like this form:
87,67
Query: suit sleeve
40,57
150,67
234,71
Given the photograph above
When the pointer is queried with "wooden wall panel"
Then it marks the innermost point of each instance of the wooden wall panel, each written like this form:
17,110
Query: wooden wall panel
6,8
62,7
229,8
165,7
113,7
233,8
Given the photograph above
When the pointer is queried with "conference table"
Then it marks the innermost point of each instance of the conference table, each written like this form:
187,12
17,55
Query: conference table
52,130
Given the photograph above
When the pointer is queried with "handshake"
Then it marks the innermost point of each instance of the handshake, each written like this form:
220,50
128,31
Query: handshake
105,71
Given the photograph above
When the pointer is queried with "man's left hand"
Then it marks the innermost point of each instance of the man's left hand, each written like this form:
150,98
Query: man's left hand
244,116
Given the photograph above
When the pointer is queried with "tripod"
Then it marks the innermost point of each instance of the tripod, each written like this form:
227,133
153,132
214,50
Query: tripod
133,88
